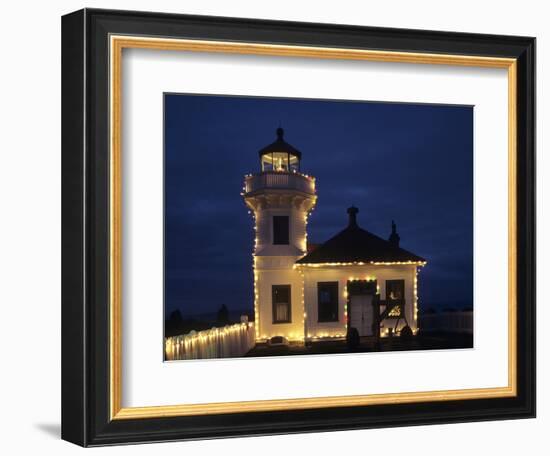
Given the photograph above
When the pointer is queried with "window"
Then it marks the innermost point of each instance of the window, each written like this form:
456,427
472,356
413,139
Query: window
267,166
395,291
281,303
327,298
280,229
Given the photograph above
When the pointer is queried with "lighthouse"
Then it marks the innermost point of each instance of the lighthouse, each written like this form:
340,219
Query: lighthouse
280,197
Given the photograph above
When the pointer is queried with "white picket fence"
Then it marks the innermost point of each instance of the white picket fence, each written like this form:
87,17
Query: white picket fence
227,342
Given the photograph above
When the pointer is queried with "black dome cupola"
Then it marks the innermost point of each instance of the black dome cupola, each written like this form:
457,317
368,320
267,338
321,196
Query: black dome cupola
280,155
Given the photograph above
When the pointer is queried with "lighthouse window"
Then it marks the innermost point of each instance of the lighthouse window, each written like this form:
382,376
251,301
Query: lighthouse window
327,296
281,303
280,230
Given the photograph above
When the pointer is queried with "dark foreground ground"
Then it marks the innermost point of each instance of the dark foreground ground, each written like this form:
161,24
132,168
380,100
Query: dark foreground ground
431,341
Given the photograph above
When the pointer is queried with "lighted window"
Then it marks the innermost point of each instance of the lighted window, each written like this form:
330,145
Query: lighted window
267,166
395,296
280,230
281,303
327,298
395,289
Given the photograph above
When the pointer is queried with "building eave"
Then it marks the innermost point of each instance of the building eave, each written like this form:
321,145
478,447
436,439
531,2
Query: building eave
360,263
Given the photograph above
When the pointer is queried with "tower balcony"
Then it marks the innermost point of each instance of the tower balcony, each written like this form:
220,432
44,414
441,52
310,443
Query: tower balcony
281,180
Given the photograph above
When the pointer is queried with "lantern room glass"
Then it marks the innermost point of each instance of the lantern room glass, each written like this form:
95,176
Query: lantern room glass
280,162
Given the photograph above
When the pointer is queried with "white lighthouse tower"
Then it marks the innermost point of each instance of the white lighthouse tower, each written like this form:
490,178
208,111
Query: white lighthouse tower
281,198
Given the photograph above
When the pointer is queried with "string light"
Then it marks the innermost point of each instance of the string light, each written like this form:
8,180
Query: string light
234,340
360,263
302,207
252,181
256,299
326,335
254,204
368,278
346,308
304,319
415,301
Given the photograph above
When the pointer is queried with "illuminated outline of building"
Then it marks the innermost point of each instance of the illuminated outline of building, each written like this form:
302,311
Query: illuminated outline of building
305,292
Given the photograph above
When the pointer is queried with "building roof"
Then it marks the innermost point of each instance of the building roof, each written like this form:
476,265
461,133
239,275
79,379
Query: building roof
356,245
280,145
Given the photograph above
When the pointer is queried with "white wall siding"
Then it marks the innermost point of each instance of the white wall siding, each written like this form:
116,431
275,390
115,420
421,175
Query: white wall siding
342,274
274,264
278,271
314,328
297,232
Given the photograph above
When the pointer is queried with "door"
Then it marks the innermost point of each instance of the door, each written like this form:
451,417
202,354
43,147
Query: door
362,314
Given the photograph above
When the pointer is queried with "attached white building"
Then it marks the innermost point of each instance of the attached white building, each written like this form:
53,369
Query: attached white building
354,280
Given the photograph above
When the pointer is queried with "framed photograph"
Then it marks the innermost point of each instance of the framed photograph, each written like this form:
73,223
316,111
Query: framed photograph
278,227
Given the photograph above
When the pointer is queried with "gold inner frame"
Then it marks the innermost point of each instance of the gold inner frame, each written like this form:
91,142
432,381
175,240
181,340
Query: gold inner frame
117,44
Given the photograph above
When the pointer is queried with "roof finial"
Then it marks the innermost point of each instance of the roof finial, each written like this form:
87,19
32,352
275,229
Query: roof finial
394,237
352,212
280,132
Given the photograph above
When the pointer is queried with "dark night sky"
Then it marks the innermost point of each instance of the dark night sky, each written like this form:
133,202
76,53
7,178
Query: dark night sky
408,162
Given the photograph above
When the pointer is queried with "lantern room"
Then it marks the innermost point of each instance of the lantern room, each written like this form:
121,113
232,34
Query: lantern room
280,156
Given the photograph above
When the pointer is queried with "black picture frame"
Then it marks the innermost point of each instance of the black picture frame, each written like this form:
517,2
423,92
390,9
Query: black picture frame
85,228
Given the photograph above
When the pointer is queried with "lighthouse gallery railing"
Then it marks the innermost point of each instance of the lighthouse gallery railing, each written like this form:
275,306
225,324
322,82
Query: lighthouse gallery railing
279,179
